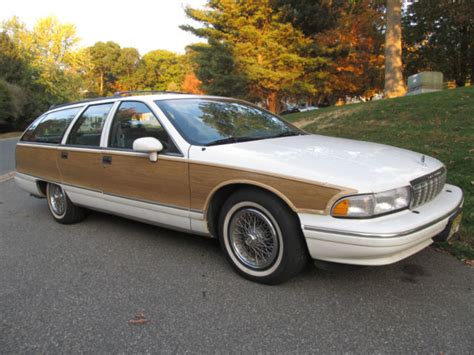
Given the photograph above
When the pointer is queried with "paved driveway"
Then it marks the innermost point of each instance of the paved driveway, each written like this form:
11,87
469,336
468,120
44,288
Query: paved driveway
75,288
7,155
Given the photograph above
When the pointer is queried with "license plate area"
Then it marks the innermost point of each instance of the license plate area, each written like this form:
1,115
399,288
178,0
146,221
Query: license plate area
455,224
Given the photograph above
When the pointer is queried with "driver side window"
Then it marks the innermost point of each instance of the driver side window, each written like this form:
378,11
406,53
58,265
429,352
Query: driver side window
135,120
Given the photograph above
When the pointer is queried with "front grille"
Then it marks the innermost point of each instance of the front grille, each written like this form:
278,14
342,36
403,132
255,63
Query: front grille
427,187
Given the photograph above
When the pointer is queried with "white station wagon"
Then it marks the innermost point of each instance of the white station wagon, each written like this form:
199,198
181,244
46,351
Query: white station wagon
272,194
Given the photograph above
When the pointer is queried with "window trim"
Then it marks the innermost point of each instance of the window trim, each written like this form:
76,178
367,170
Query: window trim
73,123
109,127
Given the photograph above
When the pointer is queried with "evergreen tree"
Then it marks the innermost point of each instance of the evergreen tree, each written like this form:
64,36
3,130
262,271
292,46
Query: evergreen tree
268,53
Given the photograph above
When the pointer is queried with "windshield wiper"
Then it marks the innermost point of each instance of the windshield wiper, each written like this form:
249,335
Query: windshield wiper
229,140
286,134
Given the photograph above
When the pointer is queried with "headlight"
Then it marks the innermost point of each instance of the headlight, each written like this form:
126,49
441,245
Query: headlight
369,205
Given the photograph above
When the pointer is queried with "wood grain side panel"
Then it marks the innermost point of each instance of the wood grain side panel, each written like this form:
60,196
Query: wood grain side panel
302,196
82,169
164,182
38,161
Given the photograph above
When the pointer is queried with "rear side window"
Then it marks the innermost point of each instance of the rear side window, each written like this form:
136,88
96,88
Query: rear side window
50,128
88,128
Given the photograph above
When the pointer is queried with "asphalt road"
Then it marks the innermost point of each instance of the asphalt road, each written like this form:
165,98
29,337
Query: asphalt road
74,289
7,155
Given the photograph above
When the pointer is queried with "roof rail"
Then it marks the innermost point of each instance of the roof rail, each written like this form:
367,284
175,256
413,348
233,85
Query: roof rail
152,92
117,94
79,102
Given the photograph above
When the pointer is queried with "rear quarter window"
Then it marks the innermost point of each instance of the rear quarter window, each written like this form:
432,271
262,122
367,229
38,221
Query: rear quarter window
50,127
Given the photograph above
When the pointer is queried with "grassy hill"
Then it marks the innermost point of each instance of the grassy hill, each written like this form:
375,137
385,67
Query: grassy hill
438,124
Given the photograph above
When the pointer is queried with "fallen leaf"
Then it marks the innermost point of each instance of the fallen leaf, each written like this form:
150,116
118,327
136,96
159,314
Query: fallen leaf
469,262
139,319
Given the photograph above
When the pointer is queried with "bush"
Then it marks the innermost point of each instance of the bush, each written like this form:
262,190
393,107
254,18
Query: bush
13,103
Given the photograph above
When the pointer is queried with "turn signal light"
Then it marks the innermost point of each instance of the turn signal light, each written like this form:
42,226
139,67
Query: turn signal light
341,208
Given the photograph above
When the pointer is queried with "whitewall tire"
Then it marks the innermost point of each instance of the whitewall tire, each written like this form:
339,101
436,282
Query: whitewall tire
261,237
61,207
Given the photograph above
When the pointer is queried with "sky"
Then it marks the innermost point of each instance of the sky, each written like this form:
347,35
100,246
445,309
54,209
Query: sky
145,25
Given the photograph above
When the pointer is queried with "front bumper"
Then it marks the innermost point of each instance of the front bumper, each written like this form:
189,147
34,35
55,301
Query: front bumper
380,240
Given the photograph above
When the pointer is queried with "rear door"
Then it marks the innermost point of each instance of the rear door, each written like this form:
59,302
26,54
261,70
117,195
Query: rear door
80,159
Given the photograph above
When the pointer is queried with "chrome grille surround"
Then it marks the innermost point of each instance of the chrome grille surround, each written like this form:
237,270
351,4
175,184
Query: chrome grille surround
427,187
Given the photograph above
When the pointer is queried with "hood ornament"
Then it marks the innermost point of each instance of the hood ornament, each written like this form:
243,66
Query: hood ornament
423,158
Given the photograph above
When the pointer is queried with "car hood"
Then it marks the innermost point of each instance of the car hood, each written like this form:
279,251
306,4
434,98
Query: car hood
363,166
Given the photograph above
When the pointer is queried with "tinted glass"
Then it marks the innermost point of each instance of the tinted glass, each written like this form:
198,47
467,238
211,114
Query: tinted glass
50,128
88,128
135,120
204,121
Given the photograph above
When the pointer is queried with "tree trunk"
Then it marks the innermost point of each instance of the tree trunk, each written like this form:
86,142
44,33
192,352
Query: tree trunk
274,104
394,83
101,84
472,63
463,57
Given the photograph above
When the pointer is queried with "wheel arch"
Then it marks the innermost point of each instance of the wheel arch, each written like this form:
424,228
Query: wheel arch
220,193
41,185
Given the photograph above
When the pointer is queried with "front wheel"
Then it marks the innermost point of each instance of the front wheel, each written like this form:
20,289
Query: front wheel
61,207
261,237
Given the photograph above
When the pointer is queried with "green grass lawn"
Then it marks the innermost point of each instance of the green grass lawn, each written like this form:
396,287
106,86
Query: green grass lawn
438,124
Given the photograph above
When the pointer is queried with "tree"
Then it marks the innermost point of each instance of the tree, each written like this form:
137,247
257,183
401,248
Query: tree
13,68
191,84
268,52
439,36
160,70
13,102
394,82
125,69
21,96
217,71
51,49
348,40
104,57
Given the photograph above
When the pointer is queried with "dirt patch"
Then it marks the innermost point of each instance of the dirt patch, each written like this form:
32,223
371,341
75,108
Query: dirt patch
329,117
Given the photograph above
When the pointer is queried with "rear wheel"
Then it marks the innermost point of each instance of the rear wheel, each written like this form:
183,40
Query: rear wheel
61,207
261,237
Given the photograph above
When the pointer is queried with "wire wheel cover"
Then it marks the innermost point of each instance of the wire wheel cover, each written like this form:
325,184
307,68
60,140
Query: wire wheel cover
57,200
253,238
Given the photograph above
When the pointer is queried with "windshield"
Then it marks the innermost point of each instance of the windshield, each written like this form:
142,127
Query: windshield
220,121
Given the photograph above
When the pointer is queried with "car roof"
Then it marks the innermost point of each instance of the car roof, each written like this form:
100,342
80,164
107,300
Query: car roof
140,97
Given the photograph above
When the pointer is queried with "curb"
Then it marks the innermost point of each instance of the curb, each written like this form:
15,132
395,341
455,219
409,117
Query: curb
7,176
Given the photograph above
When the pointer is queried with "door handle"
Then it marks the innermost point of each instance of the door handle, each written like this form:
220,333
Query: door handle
107,160
64,155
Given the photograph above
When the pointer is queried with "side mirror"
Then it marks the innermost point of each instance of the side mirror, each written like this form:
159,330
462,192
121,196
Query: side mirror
148,145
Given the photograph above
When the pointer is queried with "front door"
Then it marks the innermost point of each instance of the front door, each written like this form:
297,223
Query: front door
157,192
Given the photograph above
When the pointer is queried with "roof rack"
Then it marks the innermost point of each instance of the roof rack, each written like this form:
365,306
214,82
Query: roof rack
115,95
152,92
79,102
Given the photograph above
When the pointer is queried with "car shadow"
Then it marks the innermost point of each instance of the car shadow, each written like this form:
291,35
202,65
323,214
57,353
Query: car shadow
410,271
